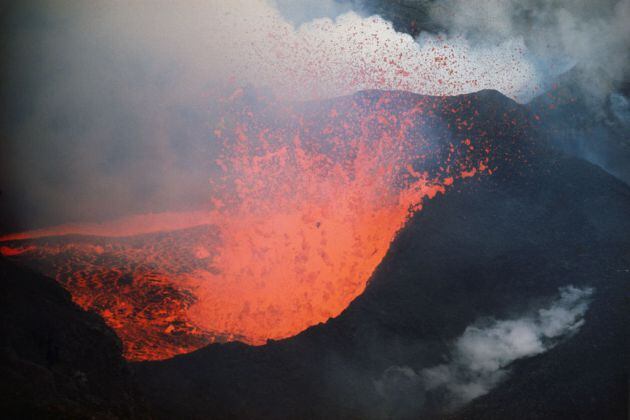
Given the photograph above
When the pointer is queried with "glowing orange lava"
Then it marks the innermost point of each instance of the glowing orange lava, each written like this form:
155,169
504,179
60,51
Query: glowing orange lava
307,200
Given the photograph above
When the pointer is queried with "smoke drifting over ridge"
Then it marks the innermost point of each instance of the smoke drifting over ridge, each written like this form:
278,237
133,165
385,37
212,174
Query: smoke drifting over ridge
592,37
112,105
481,356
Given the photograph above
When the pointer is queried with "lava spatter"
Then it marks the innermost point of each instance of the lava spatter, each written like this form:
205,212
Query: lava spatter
306,200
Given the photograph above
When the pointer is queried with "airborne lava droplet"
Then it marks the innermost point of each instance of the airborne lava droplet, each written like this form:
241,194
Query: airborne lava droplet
307,200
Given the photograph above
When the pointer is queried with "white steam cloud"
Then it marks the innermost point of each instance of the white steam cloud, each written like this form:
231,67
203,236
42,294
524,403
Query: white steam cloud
480,358
111,102
252,42
103,93
592,37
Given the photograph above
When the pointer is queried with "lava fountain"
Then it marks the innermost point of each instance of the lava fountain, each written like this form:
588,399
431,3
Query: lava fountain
305,202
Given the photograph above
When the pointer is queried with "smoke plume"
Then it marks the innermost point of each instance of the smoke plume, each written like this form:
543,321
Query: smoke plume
111,105
481,356
593,38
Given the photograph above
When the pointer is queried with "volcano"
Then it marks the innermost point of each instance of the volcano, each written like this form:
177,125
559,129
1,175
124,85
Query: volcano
486,220
491,247
308,198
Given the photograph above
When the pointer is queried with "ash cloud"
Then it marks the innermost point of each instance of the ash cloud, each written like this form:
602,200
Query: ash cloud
302,11
480,358
590,37
111,105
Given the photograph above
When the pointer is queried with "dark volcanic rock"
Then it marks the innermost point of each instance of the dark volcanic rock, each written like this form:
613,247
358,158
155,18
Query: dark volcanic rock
491,247
57,361
585,377
595,130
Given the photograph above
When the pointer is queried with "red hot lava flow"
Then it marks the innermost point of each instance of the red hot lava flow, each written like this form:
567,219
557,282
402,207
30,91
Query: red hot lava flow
307,200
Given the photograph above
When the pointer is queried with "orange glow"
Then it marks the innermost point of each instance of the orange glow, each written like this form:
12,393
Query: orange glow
304,209
8,251
129,226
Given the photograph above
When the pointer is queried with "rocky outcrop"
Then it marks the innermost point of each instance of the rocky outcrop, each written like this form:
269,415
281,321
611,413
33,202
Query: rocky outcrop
56,360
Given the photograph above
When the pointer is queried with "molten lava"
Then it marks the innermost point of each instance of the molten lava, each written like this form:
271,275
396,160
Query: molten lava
304,205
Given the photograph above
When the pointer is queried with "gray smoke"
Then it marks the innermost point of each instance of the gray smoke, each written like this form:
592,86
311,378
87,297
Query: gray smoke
110,105
480,358
591,37
303,11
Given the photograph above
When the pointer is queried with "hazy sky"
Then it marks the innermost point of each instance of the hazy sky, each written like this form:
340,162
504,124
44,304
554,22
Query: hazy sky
108,105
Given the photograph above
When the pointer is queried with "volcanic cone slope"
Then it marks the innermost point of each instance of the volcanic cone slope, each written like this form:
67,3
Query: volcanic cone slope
495,246
56,360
